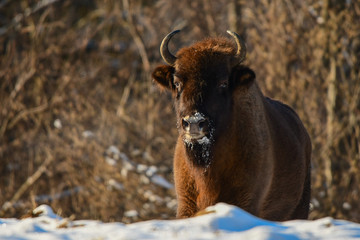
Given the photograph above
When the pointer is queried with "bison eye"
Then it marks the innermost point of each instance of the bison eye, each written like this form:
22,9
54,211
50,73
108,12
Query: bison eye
223,85
178,86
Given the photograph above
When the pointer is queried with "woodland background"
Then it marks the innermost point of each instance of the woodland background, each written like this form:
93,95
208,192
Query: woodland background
84,129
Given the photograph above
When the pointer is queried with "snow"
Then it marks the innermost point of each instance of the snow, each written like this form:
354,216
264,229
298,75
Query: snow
131,213
221,221
196,117
204,140
113,184
88,134
159,180
58,124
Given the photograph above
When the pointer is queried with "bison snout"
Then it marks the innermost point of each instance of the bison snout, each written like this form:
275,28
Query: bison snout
195,126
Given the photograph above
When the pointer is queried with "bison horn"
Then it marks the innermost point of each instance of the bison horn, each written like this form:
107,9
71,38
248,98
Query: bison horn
241,47
164,50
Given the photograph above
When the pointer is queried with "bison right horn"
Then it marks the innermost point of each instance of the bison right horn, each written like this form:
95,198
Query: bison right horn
241,47
164,50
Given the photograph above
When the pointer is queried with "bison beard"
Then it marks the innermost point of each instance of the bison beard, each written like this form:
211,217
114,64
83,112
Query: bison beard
199,152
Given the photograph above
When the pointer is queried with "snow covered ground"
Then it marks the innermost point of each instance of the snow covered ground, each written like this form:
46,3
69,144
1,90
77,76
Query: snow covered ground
222,221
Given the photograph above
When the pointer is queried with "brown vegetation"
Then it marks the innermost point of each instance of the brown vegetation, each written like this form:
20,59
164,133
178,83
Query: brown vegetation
75,88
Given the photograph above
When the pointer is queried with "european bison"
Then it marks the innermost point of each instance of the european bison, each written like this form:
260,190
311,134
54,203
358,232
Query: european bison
235,145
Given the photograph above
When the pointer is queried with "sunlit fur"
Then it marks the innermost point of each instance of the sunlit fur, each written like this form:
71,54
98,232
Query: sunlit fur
259,156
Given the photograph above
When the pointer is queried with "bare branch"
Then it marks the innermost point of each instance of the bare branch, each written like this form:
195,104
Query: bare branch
28,183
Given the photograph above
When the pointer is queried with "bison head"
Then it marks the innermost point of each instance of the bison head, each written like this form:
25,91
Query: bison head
203,79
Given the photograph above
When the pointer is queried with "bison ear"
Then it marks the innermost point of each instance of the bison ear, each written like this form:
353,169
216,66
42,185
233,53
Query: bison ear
163,76
242,76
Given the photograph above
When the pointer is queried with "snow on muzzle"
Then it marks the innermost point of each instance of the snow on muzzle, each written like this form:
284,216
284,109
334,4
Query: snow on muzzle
195,128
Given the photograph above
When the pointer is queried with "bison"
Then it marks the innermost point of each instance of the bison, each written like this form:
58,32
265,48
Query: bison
235,145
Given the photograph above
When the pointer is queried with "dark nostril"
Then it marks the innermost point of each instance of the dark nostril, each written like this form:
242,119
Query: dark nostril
201,124
185,124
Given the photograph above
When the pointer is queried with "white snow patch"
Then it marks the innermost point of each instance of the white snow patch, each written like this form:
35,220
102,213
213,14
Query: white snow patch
171,203
58,124
151,176
196,117
141,168
110,161
151,171
87,134
131,213
113,150
223,222
113,184
315,203
148,194
204,140
144,179
127,163
159,180
346,206
46,211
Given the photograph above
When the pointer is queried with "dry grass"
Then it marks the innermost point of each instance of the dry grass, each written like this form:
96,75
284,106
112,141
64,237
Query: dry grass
75,80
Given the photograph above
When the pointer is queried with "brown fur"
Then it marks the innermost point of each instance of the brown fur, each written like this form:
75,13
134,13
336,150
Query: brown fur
260,152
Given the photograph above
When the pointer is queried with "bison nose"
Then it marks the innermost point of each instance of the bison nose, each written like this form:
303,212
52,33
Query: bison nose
194,125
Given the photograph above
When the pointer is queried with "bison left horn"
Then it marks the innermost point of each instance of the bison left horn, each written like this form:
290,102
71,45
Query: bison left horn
241,47
164,50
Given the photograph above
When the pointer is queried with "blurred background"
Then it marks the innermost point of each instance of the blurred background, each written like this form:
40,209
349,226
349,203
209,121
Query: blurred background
84,129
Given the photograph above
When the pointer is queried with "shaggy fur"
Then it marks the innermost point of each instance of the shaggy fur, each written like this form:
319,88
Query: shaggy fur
258,153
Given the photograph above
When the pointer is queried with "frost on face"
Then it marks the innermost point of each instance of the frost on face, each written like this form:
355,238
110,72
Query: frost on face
198,117
204,140
199,154
199,150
